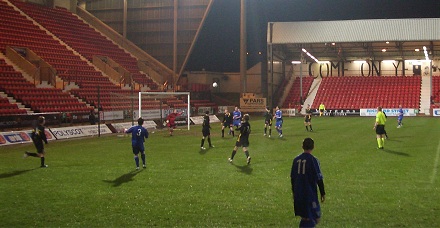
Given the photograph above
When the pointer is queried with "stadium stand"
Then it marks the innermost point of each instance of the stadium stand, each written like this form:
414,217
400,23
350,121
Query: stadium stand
17,30
436,92
15,85
72,30
368,92
293,99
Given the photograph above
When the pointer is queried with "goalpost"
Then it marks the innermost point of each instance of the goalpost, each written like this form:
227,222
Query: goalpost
165,94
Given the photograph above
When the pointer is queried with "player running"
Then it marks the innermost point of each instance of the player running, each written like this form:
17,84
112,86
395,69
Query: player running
268,121
236,116
227,123
243,139
38,137
400,117
138,136
206,131
308,118
279,121
306,176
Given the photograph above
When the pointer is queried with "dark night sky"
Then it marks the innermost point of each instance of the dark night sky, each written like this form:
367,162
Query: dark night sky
218,46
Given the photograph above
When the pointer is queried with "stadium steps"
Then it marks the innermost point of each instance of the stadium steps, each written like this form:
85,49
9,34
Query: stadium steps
72,31
55,37
19,30
287,88
294,97
425,95
311,94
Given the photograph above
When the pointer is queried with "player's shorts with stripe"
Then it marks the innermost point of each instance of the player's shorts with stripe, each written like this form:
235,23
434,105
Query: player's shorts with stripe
268,122
307,119
380,129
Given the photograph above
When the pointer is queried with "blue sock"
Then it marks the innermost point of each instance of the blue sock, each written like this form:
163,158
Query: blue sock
136,159
281,131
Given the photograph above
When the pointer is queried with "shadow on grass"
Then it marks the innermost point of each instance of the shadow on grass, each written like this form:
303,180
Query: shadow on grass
124,178
14,173
396,152
244,169
203,152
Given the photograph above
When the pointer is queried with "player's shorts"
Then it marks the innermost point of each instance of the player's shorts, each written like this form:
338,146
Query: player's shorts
242,143
268,122
380,129
279,123
307,119
400,118
237,123
321,110
206,132
307,209
138,149
39,147
172,125
227,124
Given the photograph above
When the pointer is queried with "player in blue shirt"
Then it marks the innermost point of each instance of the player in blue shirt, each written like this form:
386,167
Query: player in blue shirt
400,117
138,136
305,176
236,116
279,121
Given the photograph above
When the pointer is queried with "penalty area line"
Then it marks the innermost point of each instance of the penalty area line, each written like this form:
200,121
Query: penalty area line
434,171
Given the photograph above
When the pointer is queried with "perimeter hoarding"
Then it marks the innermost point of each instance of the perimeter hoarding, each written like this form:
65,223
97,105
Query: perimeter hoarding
389,112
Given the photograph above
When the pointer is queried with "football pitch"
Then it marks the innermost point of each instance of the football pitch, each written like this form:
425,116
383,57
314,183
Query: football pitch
93,182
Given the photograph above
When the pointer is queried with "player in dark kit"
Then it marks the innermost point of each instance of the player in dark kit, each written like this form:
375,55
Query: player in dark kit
268,121
138,136
206,131
308,118
38,137
243,139
227,123
305,176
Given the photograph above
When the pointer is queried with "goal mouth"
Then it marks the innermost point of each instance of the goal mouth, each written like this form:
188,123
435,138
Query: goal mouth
152,104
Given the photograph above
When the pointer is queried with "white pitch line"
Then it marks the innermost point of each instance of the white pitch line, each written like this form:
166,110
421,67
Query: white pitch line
434,171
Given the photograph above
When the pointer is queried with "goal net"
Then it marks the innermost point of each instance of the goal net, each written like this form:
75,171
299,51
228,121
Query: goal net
158,105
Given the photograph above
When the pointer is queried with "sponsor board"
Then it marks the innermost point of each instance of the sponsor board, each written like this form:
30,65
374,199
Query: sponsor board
79,131
289,112
113,115
149,114
152,114
436,112
199,119
388,112
9,138
252,104
201,110
339,112
149,124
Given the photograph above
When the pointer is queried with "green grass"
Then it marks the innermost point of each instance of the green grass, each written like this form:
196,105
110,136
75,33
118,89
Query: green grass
92,182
